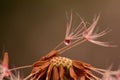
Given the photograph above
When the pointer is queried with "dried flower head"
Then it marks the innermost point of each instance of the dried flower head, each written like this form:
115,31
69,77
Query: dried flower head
54,67
60,68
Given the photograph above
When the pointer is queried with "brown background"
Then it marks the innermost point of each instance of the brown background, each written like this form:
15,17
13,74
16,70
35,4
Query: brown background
30,29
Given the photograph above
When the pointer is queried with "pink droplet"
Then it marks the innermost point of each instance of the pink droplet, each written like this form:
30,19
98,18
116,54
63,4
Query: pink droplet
67,41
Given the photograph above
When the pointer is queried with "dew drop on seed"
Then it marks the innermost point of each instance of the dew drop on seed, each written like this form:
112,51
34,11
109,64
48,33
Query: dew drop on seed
67,42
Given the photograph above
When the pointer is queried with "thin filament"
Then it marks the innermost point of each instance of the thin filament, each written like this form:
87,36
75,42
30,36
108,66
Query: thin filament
69,26
75,43
22,67
58,45
30,75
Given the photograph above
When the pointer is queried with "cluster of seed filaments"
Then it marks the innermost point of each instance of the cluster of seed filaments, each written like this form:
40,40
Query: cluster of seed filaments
65,62
2,70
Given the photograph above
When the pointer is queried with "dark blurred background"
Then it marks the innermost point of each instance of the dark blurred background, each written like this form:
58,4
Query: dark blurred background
30,29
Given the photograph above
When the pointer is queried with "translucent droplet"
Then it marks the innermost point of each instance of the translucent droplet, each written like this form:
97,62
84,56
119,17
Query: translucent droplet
67,41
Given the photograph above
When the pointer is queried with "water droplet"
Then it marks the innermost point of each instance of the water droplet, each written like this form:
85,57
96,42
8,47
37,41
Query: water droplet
67,41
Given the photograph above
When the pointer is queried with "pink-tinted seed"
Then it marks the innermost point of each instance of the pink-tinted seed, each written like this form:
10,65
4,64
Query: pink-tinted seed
118,76
5,64
7,73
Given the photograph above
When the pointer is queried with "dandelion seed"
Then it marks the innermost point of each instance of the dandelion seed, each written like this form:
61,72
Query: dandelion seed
16,77
76,34
83,33
91,36
108,75
4,72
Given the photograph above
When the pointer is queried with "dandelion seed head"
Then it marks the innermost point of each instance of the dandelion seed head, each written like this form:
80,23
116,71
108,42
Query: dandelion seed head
57,61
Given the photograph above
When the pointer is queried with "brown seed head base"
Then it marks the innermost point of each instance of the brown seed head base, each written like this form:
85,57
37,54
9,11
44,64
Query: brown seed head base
57,61
61,68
